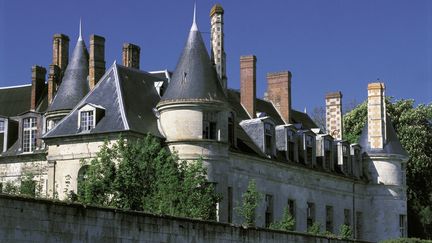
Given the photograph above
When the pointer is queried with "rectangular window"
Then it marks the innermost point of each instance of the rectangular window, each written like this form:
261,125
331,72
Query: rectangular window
231,128
327,154
209,125
268,133
309,147
347,217
29,134
269,210
310,213
87,120
402,225
2,126
290,145
345,159
230,204
292,209
329,219
359,225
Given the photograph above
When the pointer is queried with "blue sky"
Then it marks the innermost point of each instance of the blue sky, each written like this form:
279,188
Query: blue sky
328,45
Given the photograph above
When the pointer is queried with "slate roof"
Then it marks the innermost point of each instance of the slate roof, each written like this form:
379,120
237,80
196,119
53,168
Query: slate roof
128,96
268,108
392,145
194,78
74,85
14,100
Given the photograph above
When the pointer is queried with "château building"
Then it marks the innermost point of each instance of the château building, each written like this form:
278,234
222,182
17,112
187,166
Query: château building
50,126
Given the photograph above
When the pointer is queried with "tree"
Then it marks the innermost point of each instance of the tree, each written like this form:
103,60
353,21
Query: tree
250,201
314,229
141,174
413,126
287,222
345,232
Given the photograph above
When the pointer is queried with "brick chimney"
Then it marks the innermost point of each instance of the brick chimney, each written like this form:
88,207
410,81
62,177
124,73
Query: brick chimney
60,51
376,115
53,81
131,55
97,59
248,84
334,123
279,93
38,85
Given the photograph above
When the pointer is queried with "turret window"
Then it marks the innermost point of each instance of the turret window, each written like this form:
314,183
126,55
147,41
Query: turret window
29,134
87,120
209,125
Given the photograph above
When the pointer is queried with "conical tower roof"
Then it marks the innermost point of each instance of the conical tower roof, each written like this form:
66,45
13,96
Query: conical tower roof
194,78
74,85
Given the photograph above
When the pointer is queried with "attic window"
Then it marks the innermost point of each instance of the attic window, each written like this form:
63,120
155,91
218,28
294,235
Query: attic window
327,153
309,147
88,117
290,145
87,120
29,134
268,138
346,167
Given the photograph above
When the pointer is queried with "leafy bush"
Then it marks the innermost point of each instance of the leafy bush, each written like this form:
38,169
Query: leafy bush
314,229
287,222
345,231
250,200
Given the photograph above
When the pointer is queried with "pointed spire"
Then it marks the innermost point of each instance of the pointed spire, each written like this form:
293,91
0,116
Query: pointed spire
80,31
194,25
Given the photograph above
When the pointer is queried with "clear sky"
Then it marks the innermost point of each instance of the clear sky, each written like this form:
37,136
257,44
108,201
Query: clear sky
328,45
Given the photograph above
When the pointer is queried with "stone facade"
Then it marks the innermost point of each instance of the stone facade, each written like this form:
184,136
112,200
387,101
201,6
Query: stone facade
320,177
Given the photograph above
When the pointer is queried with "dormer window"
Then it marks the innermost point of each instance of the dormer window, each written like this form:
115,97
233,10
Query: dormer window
87,120
290,144
327,153
29,134
309,147
88,116
345,159
268,138
2,126
209,125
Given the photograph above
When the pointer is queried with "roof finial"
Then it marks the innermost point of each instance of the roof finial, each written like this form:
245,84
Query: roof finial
194,25
80,31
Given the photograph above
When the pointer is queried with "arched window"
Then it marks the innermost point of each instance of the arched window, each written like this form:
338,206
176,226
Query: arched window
82,176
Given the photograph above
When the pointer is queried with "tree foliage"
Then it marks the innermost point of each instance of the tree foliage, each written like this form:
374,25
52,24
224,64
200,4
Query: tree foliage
314,229
345,231
250,201
143,175
287,222
413,126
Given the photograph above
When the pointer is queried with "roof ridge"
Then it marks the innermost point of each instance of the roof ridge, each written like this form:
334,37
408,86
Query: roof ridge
120,98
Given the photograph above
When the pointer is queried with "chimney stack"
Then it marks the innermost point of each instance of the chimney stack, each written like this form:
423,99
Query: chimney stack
60,51
279,93
248,84
218,55
97,59
53,81
376,115
131,55
38,85
334,123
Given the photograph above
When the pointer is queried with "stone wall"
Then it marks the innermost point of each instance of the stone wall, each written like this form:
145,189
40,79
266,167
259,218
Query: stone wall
38,220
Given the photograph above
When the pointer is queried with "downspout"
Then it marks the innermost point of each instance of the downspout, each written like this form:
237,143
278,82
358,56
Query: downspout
354,213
